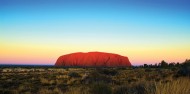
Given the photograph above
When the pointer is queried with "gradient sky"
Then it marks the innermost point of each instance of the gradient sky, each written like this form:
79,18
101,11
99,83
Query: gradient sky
147,31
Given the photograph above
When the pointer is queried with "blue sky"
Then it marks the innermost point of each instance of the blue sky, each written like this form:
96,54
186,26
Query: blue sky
104,24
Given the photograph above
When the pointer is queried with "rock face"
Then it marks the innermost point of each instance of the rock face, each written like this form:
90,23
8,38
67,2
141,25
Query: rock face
93,59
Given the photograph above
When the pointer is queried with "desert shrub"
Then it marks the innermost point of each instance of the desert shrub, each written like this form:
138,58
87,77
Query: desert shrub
185,69
100,88
77,90
6,92
111,72
45,91
50,91
97,77
14,92
137,88
8,84
140,75
132,80
62,86
121,90
73,74
142,88
121,68
66,69
148,70
157,79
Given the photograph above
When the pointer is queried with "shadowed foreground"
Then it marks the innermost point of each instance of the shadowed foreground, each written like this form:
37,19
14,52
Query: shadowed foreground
52,80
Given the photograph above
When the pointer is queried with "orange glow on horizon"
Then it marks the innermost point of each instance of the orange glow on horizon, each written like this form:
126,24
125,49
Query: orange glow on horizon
44,54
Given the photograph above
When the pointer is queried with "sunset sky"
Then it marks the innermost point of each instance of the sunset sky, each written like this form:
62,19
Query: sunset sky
147,31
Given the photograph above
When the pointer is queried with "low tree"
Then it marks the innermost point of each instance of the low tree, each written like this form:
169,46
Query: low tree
185,69
186,63
163,64
145,65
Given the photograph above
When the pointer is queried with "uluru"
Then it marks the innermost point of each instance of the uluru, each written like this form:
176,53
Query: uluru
93,59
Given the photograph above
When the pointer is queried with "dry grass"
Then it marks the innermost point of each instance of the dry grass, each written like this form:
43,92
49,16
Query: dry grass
44,81
179,86
78,90
48,91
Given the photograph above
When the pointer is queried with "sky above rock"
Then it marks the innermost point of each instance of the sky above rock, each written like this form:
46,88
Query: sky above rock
146,31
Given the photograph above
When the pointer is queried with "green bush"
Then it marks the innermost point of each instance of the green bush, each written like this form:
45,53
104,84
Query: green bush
100,88
184,71
138,88
110,72
120,90
73,74
97,77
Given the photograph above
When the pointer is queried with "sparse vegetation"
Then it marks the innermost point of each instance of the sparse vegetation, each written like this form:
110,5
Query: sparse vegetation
73,74
162,78
100,88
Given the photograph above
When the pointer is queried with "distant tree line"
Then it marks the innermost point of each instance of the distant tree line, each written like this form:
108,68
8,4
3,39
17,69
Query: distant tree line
164,64
183,68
